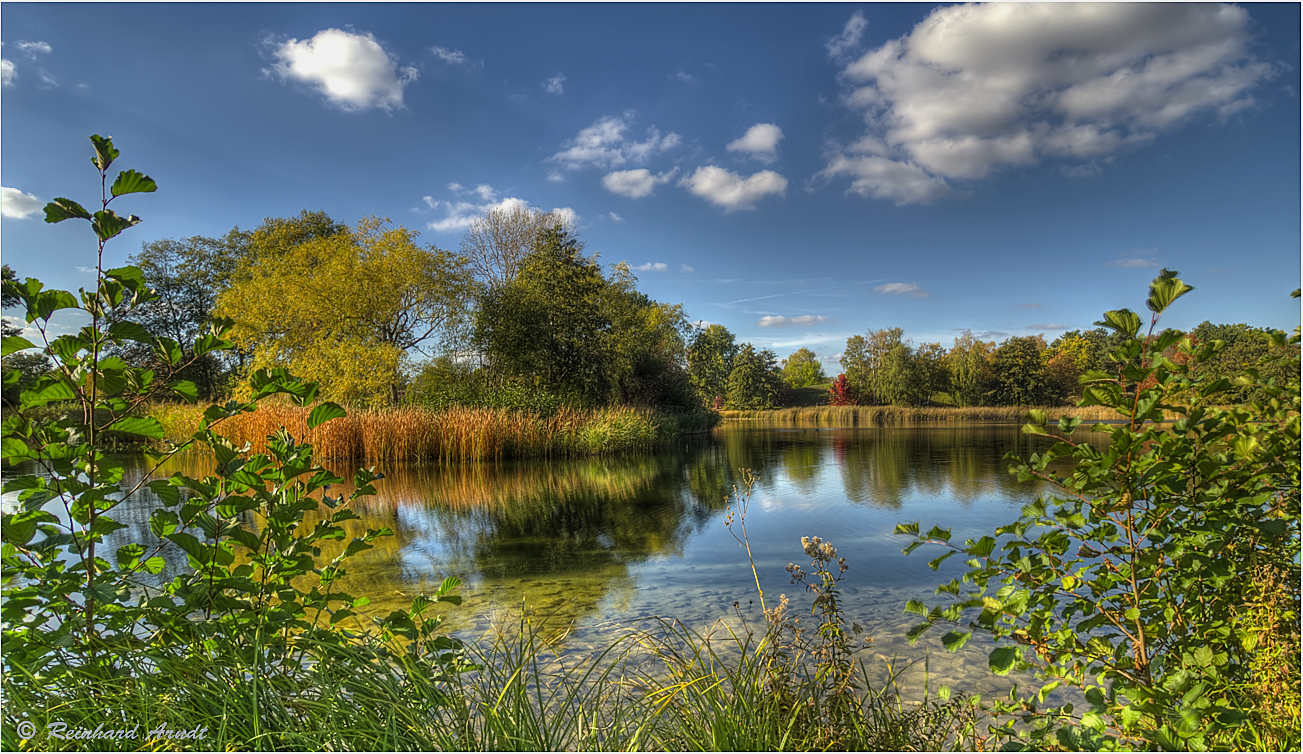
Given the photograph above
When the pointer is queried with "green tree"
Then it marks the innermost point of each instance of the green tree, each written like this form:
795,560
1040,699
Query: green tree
1018,372
802,369
933,376
968,362
1243,345
495,246
864,362
710,362
548,324
647,347
755,382
344,308
1161,579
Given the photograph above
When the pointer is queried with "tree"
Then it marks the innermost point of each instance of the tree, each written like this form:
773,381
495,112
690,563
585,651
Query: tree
968,362
29,364
647,348
548,323
840,393
344,308
755,382
933,377
865,360
802,369
495,246
1018,373
710,362
1244,345
1161,578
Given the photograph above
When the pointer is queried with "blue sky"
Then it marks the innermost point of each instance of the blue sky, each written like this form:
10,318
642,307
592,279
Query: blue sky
797,173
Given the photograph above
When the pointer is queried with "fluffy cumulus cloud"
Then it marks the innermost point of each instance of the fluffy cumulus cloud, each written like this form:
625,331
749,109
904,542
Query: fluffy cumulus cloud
556,84
803,320
730,190
606,144
974,89
760,141
352,70
7,73
18,204
652,267
32,49
902,289
635,184
461,212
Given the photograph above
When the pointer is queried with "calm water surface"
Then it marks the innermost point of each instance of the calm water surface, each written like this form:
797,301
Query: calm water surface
604,544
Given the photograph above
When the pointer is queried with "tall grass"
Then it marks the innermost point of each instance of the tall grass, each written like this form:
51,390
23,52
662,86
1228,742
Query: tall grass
451,435
881,416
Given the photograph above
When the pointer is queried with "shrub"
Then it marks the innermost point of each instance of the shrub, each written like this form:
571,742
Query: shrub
1142,582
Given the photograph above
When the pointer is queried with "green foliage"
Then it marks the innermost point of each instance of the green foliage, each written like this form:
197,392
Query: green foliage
710,362
1135,583
222,610
344,308
1018,373
802,369
755,382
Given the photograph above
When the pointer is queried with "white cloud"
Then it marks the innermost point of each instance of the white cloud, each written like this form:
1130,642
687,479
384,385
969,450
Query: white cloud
555,176
902,289
31,49
634,184
352,70
803,320
730,190
686,78
686,269
1088,170
652,267
7,73
46,79
841,45
17,204
459,215
555,85
451,56
974,89
615,218
605,145
760,141
1047,327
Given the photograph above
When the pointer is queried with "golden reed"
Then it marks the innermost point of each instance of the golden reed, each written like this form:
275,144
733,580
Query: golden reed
452,435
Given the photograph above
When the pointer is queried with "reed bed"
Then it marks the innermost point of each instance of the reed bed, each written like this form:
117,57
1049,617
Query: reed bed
883,416
452,435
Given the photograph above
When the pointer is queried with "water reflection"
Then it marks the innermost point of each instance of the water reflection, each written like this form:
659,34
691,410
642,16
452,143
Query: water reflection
622,538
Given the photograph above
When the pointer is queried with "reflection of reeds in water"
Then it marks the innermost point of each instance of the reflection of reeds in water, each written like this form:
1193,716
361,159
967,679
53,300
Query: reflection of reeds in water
449,436
881,416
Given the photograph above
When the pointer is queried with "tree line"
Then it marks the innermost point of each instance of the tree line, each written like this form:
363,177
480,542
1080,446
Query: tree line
519,317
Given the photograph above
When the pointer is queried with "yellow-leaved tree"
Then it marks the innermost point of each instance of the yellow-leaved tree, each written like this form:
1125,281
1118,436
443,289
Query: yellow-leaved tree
344,309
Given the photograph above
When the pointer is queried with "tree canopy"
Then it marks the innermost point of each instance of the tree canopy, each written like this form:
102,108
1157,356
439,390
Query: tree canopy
343,308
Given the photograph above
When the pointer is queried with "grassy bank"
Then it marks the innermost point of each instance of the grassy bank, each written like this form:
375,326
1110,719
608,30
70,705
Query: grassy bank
885,416
451,435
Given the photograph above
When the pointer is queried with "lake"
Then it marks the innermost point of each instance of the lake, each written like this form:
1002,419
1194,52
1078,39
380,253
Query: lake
605,544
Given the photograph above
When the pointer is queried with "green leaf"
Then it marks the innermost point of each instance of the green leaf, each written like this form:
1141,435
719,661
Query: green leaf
1002,660
324,413
1124,321
14,343
108,223
64,209
146,426
186,389
914,607
105,153
163,522
1165,289
47,389
955,640
132,182
130,331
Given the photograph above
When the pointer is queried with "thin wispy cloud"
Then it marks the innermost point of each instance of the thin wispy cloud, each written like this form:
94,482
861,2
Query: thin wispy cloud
555,85
842,45
32,49
351,70
803,320
606,144
1047,327
451,56
902,289
652,267
1135,259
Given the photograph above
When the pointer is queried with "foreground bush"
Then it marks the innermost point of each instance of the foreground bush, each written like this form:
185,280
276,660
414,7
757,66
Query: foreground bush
1161,580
